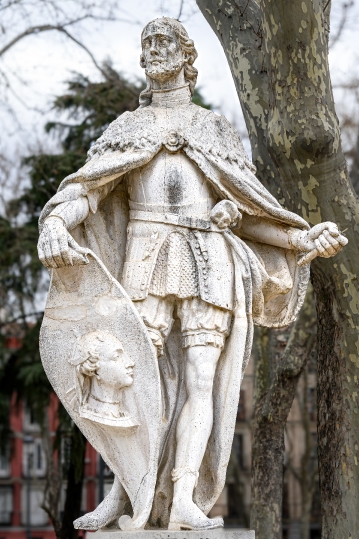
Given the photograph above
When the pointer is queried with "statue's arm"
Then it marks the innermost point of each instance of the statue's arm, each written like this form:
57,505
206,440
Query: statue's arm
71,213
323,239
94,181
265,231
56,247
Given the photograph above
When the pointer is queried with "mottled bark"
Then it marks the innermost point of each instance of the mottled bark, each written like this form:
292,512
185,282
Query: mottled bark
303,139
262,362
270,416
238,26
354,172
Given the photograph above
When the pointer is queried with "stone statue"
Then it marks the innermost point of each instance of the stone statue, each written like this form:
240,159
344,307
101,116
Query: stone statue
169,208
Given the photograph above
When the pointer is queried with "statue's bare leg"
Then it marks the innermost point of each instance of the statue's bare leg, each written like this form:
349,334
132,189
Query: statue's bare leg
108,510
193,430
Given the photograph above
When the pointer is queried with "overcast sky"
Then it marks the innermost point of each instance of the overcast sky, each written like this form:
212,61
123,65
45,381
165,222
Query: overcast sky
46,60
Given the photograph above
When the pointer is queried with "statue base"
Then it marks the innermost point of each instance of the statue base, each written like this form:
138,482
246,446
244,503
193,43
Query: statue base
220,533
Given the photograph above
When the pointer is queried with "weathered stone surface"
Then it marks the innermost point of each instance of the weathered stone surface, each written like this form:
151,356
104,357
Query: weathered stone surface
150,369
227,533
103,368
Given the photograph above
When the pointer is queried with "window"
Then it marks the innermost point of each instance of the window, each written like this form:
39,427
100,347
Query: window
30,424
107,473
5,504
65,452
241,411
238,449
38,517
34,463
5,464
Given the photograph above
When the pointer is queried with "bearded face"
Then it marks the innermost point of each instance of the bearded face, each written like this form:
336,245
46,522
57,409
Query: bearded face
162,55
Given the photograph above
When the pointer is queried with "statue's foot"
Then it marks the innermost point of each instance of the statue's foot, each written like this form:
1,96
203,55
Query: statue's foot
87,522
107,512
101,517
187,516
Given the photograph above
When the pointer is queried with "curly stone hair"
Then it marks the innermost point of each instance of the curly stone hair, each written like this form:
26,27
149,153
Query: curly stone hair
86,356
187,45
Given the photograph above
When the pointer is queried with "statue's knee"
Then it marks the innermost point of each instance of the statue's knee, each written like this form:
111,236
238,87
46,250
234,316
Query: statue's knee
202,361
204,385
204,379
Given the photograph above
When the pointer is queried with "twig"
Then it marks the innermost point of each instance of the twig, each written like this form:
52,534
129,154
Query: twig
180,10
21,316
343,20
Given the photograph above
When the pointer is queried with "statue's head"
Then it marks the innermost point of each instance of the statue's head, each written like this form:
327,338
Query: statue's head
166,50
100,354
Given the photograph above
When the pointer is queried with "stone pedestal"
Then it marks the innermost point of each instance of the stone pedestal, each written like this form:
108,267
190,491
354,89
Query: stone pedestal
226,533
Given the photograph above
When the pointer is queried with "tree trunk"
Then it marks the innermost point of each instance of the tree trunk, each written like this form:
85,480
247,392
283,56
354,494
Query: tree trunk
238,27
75,475
305,518
270,416
262,362
354,172
307,476
63,527
303,139
52,492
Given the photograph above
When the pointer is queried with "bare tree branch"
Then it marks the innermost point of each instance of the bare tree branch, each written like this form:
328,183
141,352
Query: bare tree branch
50,27
343,20
180,10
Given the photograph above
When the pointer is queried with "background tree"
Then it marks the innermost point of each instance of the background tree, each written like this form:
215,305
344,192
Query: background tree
305,471
278,55
23,19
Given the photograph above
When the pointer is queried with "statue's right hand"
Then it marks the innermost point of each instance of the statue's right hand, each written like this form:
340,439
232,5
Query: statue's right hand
57,248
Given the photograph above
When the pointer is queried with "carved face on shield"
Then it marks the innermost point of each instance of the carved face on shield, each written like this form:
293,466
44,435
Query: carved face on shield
115,368
103,369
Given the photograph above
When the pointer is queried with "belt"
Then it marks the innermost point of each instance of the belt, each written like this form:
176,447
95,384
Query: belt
200,208
173,219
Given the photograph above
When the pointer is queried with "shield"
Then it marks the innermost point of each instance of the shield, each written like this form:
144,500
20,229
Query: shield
87,305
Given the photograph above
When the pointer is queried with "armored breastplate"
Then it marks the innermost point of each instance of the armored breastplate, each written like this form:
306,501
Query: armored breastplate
172,184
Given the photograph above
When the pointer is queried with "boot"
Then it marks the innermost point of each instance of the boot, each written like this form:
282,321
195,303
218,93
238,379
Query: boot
185,515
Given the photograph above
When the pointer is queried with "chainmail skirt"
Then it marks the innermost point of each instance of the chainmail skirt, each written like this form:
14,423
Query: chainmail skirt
175,272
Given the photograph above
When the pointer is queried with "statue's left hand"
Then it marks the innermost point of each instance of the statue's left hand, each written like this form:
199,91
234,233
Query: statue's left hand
323,240
225,214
